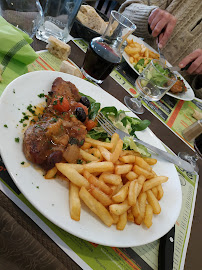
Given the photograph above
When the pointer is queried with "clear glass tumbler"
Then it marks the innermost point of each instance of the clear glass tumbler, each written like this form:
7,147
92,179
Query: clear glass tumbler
152,84
26,15
105,52
58,19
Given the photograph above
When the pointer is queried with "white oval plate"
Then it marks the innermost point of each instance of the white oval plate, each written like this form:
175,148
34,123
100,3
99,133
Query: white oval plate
51,196
188,95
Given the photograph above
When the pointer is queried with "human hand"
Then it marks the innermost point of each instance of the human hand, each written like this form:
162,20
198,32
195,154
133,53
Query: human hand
196,58
161,23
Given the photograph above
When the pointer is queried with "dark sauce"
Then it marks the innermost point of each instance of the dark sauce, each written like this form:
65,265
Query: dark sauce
100,60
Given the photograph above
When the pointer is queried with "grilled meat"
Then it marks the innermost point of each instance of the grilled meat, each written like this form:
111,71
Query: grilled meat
46,141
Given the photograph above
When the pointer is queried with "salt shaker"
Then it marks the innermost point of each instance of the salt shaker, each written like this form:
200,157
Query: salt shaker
192,131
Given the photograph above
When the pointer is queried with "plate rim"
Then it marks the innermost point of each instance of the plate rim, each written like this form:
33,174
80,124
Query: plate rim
39,209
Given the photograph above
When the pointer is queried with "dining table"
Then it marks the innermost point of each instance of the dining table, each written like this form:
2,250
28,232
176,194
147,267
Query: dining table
24,245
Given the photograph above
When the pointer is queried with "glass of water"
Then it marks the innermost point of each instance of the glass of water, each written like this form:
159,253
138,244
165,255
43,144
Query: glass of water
58,19
26,15
152,84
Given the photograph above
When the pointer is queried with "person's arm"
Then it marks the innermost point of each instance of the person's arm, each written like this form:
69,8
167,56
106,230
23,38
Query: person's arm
150,20
138,11
196,58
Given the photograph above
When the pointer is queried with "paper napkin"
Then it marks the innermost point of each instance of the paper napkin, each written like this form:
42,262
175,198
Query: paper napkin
15,53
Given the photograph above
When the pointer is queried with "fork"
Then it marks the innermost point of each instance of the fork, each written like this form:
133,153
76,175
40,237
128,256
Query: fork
111,129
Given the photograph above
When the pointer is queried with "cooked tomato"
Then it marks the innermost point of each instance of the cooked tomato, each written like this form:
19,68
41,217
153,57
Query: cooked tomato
82,106
90,124
61,104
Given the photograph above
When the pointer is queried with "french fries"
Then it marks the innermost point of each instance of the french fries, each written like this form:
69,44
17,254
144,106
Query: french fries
138,51
116,185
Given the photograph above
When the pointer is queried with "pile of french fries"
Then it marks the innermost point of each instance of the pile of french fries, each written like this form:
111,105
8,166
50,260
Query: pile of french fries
116,185
138,51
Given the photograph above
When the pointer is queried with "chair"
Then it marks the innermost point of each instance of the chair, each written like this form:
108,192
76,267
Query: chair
106,6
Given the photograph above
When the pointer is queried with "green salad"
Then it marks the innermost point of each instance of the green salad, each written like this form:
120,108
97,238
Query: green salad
119,118
141,65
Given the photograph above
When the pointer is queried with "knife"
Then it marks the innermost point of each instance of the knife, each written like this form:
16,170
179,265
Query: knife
166,251
174,159
176,68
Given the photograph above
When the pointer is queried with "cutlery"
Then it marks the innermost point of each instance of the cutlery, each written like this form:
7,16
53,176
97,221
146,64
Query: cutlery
166,251
163,59
111,129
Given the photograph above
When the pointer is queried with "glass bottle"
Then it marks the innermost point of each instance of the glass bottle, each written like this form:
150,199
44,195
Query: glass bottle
105,52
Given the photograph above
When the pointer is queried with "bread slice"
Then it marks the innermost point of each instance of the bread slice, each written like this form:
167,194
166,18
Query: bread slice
68,68
88,16
58,48
82,18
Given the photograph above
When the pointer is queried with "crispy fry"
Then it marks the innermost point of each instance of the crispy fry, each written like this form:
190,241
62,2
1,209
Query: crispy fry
128,159
114,141
115,218
96,143
122,194
152,200
88,157
105,153
117,151
72,175
150,161
155,191
95,152
100,195
143,164
96,207
74,202
100,184
129,152
51,173
112,179
140,171
149,184
132,192
130,216
105,166
135,209
119,209
86,145
142,206
123,169
160,192
131,176
122,221
148,216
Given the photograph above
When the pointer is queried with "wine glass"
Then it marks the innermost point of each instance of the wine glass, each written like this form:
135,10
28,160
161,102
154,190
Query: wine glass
25,15
193,133
152,84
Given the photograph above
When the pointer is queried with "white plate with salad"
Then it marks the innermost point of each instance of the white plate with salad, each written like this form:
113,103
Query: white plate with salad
50,197
185,95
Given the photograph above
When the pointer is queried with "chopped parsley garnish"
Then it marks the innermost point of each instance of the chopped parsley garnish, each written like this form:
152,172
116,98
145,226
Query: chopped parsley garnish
14,91
41,95
30,109
61,99
24,125
37,186
54,120
71,115
55,102
17,139
5,126
79,161
22,163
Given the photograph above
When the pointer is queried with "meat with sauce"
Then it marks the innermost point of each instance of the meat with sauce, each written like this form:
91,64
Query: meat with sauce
57,132
178,87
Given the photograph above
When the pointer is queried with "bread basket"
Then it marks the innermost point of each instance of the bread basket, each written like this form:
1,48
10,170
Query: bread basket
81,31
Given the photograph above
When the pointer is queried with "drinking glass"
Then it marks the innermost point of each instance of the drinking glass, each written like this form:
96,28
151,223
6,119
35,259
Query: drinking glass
193,133
105,52
26,15
152,84
58,19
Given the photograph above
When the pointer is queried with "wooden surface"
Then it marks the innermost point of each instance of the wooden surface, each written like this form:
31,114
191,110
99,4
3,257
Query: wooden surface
56,256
